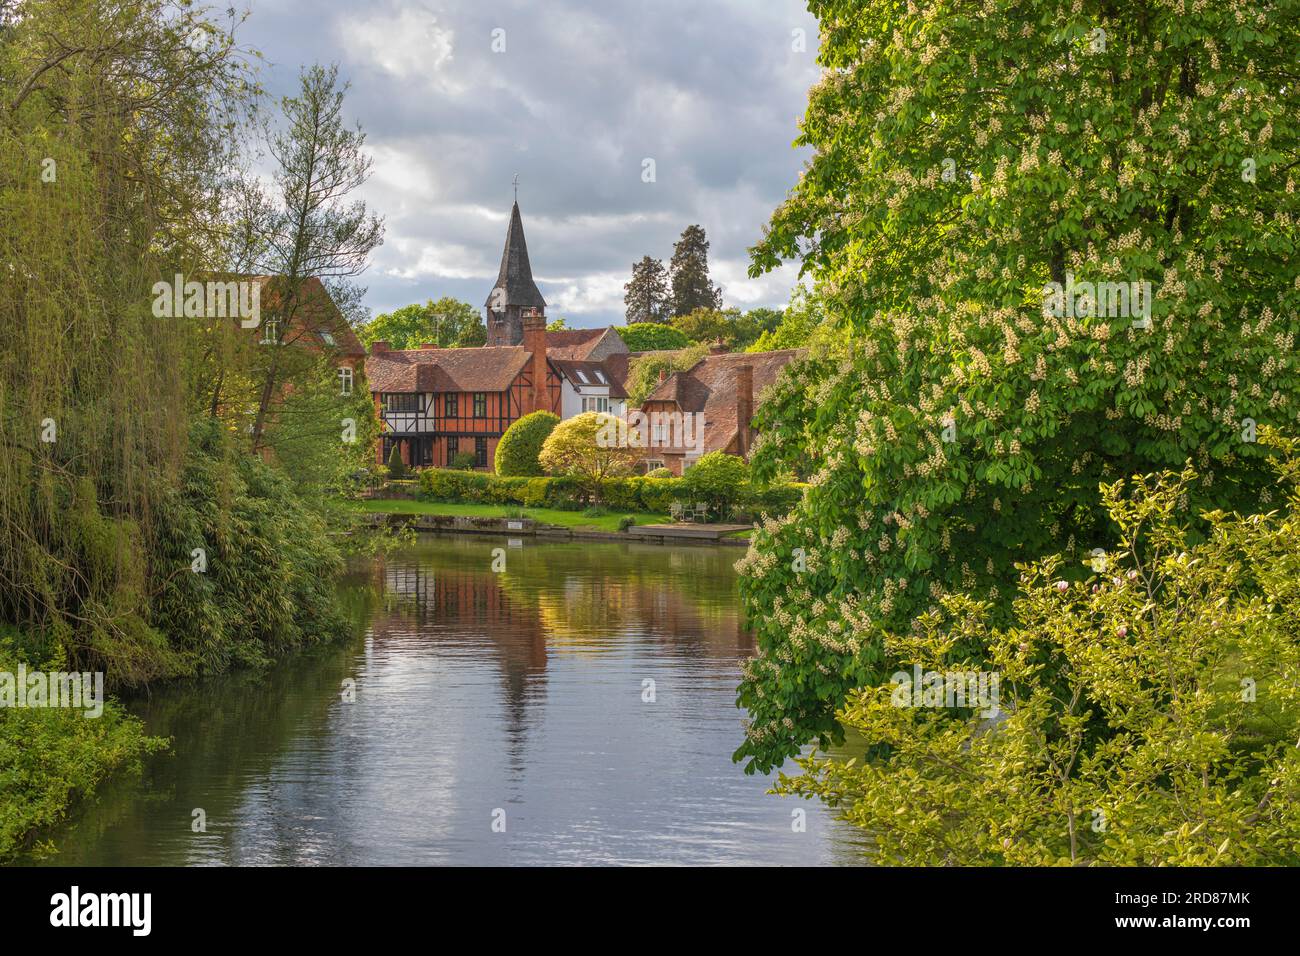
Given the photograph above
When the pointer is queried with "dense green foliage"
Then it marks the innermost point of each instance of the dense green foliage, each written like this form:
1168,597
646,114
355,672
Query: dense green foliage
644,371
140,536
633,492
718,480
652,337
1150,714
50,758
447,323
961,164
519,447
802,325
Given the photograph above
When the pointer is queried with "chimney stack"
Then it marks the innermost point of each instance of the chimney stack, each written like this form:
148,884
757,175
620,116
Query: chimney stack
378,347
744,405
535,342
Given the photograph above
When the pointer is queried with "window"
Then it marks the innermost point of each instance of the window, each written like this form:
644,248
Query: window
325,336
345,380
453,447
480,452
581,377
595,404
600,377
401,402
480,404
451,405
270,331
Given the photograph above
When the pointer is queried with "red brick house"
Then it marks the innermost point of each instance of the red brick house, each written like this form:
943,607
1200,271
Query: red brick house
720,391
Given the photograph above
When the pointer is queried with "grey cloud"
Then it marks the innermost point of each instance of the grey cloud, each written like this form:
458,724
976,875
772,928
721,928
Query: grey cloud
584,91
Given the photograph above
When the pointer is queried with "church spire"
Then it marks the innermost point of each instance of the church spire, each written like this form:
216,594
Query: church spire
515,289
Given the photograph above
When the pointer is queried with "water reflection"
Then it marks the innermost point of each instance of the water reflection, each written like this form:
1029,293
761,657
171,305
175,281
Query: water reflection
477,691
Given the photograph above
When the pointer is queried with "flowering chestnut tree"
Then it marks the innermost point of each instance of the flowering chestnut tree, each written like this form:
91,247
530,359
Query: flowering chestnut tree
1058,240
1149,715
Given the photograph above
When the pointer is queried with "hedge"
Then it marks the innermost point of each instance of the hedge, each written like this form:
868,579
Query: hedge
637,493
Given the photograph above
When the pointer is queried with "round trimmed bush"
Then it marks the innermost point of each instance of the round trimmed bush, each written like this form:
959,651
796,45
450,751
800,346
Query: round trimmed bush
519,446
660,472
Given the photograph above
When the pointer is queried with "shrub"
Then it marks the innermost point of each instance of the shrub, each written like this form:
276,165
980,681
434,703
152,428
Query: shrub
396,467
652,337
718,479
521,444
626,522
660,472
658,494
535,491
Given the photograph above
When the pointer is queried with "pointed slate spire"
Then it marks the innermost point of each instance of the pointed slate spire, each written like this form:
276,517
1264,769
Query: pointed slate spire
516,275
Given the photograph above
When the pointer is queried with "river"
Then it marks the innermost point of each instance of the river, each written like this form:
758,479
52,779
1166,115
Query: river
505,702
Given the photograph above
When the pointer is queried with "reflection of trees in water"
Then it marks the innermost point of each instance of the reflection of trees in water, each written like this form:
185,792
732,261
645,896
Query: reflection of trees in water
557,598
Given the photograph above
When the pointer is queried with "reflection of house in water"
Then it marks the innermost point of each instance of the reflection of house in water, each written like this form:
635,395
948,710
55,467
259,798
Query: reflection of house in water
561,606
468,609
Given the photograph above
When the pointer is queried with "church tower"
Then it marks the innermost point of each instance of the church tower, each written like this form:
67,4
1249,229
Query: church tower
515,292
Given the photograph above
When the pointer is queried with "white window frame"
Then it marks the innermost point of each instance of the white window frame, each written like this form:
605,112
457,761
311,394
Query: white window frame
271,332
345,380
595,403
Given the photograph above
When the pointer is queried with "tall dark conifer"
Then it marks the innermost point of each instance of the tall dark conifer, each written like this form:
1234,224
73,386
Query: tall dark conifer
647,293
689,270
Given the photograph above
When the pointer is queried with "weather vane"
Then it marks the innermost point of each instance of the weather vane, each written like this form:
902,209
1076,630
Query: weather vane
516,183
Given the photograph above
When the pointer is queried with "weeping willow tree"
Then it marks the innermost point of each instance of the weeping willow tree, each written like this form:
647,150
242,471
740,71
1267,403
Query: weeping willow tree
120,128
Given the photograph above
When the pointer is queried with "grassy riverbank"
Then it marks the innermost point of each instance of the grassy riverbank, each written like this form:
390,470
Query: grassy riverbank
555,516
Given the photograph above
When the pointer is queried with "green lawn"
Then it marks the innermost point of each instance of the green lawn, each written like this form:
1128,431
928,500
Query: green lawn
566,519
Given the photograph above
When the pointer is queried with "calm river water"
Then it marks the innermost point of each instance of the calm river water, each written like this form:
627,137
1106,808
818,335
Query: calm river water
517,697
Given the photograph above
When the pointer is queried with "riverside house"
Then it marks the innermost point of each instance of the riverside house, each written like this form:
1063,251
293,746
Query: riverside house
434,403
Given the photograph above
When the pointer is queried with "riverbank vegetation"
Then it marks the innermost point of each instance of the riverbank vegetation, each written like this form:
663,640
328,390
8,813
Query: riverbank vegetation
1054,258
1148,715
149,526
594,519
725,488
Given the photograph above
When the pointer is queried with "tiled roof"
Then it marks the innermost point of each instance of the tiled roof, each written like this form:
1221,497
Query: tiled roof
709,386
591,373
572,344
317,313
486,369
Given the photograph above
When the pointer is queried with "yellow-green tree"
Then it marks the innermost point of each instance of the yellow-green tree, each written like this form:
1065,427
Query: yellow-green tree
589,448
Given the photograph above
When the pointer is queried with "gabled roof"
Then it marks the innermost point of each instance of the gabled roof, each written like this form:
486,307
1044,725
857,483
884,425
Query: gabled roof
485,369
709,386
573,344
516,275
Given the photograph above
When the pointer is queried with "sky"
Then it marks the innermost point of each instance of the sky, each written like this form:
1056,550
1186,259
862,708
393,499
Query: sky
456,97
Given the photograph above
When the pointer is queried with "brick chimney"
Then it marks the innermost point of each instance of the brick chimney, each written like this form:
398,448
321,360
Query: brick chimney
535,342
379,347
744,404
